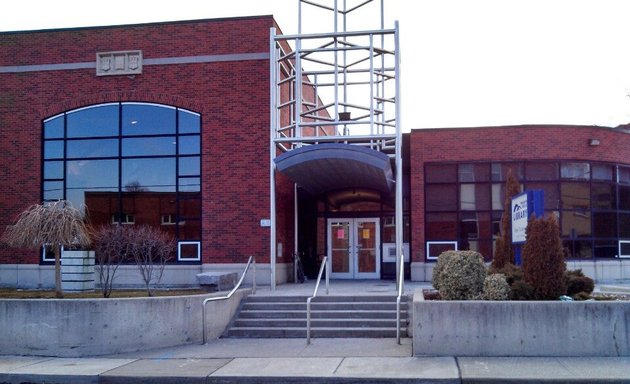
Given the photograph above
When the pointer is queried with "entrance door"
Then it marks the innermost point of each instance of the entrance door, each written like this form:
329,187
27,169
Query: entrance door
354,248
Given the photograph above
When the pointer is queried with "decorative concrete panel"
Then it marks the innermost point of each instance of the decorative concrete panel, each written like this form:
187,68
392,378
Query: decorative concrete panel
119,63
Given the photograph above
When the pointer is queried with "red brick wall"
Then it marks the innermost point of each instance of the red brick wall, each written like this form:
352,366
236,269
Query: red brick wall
518,143
233,98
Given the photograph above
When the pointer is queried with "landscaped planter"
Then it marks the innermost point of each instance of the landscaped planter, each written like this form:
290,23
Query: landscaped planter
84,327
520,328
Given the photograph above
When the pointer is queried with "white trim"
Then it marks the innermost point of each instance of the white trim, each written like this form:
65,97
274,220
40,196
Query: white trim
353,250
179,250
429,243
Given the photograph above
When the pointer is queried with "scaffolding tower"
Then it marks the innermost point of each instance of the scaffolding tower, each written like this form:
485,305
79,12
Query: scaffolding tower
339,86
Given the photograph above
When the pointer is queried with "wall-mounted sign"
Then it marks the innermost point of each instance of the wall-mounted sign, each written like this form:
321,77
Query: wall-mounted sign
265,222
119,63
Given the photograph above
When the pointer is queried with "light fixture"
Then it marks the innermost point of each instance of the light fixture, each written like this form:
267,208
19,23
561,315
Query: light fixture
593,142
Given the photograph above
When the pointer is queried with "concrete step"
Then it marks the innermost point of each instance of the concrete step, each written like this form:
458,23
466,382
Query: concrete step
324,298
318,323
299,332
322,306
320,314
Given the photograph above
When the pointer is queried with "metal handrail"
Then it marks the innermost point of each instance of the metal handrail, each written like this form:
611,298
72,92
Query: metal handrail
308,301
401,279
252,260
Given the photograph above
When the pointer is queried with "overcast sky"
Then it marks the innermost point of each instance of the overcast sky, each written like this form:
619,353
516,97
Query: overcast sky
464,62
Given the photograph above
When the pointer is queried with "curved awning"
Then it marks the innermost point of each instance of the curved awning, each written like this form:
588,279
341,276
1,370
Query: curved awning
322,168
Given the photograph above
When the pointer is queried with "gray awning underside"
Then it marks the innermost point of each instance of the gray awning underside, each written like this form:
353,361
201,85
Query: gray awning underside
322,168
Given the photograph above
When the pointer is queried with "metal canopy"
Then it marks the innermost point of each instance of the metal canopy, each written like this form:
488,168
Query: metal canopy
322,168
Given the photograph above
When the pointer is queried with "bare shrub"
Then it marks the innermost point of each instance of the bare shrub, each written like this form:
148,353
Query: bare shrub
112,245
56,223
151,249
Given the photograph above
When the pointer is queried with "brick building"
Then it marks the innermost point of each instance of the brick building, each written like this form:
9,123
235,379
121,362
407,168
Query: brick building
167,124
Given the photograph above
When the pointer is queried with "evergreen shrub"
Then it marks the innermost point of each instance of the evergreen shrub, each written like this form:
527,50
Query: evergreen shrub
459,275
496,287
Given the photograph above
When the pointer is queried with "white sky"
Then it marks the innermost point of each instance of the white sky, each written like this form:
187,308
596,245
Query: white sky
464,62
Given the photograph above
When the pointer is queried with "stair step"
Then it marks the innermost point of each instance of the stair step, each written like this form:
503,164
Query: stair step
318,323
323,298
295,332
325,306
320,314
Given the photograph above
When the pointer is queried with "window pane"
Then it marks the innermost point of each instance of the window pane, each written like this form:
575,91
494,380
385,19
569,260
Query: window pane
53,170
146,119
624,198
576,224
474,197
103,206
190,207
53,128
577,249
189,145
441,197
500,171
189,166
604,196
541,171
468,227
575,195
441,226
603,172
93,121
189,229
157,174
606,249
604,224
624,175
624,225
441,173
498,196
576,171
149,146
92,148
53,149
53,190
189,122
550,190
189,184
83,176
474,172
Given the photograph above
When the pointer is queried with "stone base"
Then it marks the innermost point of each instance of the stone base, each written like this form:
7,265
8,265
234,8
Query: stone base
217,281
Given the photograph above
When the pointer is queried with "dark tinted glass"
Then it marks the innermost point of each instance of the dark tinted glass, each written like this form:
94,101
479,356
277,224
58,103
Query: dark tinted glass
576,224
441,173
189,184
441,197
606,249
575,171
190,207
146,119
624,225
189,166
550,190
474,172
624,175
603,172
441,226
93,121
575,195
604,224
604,196
53,190
83,176
624,198
474,197
541,171
500,171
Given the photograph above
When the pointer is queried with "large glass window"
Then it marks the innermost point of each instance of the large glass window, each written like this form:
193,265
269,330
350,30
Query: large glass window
464,202
128,163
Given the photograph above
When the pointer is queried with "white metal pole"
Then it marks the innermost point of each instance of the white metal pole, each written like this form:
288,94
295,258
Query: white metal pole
272,154
399,163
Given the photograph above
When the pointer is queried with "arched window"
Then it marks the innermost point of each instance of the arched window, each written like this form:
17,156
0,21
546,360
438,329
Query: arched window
129,163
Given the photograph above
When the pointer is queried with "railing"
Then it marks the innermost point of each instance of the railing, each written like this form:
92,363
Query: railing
308,301
401,279
252,260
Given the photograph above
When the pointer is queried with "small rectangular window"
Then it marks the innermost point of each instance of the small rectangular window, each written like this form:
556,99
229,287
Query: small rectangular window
189,251
435,248
168,219
125,218
575,171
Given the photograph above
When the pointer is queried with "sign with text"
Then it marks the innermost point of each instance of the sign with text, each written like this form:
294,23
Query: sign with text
523,205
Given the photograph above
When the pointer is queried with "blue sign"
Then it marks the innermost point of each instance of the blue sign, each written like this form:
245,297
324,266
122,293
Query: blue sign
523,206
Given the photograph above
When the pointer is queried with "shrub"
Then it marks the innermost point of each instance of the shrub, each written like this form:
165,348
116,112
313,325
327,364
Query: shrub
495,287
543,260
459,275
579,286
151,249
112,246
511,272
521,290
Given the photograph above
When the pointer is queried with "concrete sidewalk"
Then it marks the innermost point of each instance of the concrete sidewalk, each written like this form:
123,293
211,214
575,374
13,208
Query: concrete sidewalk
292,361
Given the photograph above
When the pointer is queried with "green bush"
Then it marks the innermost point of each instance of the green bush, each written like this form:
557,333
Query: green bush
495,287
521,290
459,275
511,272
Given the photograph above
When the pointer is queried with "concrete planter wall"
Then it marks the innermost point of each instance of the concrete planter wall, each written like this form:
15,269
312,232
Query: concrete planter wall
86,327
520,328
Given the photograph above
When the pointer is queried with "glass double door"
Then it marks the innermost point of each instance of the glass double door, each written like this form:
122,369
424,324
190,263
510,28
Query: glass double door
354,248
